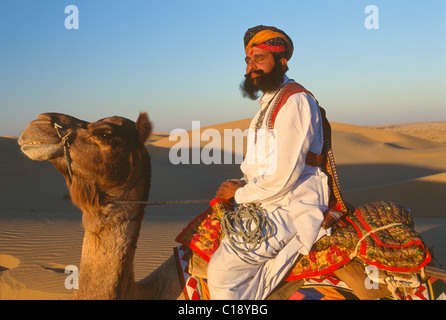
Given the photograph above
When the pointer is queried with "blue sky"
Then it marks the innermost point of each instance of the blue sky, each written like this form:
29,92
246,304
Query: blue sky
183,60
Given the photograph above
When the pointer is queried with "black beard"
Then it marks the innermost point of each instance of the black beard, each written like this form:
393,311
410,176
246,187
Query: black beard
266,82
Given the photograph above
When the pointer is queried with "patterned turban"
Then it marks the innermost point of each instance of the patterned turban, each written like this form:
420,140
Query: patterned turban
269,38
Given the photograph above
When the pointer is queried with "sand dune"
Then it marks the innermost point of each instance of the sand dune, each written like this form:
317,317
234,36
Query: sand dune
41,233
435,131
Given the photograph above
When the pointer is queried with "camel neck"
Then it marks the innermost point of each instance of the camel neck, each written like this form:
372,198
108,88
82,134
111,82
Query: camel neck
108,250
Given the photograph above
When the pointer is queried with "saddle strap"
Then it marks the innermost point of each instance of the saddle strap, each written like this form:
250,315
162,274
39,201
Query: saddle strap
314,160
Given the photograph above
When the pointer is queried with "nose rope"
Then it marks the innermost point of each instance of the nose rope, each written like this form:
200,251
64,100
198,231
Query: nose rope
66,145
155,202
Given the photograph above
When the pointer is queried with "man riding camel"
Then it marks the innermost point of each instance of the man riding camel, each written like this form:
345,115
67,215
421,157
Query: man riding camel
293,193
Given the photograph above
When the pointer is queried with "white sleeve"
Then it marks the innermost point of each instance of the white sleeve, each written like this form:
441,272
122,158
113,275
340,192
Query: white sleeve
294,134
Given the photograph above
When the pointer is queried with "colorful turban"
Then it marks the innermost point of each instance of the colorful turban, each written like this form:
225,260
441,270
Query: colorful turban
269,38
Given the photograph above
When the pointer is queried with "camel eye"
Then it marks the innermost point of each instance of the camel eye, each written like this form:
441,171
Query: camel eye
103,134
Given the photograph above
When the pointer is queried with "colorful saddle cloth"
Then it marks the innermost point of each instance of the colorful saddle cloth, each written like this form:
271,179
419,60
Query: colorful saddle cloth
331,288
326,287
381,234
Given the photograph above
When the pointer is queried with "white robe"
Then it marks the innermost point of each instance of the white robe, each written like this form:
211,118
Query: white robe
294,195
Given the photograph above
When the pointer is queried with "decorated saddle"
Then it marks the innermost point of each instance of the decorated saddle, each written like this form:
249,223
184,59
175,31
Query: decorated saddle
379,234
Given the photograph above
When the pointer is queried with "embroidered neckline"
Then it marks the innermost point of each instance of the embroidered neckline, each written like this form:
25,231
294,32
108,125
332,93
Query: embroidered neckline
263,113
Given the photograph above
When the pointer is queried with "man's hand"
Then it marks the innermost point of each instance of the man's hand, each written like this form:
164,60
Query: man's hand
228,188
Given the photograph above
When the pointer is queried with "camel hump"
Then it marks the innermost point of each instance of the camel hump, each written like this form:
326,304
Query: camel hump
144,127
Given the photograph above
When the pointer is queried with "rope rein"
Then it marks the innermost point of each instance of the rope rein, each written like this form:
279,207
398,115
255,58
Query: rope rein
66,145
247,227
156,203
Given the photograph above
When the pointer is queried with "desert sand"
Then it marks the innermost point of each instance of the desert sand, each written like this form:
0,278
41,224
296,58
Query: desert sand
41,232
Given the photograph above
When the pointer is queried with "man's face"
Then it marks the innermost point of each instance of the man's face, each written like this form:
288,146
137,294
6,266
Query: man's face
264,73
258,61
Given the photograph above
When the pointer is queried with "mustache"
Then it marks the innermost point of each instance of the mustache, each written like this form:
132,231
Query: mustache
260,72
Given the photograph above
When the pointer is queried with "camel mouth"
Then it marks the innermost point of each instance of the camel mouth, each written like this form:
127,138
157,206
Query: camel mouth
40,142
36,150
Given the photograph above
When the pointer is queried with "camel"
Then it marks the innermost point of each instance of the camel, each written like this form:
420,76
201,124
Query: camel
105,162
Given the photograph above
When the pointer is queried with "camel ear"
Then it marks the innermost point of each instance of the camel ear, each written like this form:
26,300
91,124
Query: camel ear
144,127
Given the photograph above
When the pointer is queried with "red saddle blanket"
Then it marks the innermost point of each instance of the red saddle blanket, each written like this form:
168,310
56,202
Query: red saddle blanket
380,233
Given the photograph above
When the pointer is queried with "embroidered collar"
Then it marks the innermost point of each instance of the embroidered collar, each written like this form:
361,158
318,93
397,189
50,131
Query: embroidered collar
264,105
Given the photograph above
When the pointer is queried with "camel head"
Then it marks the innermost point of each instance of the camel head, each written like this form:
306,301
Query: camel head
102,161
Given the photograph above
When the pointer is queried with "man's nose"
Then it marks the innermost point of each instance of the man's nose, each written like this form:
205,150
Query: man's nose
250,66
